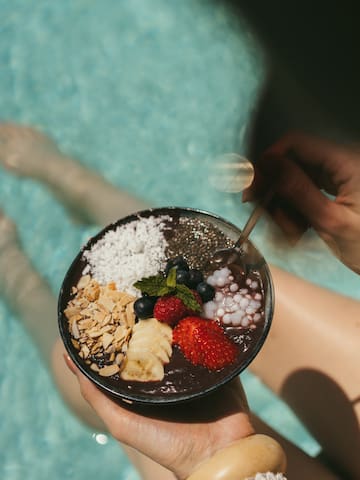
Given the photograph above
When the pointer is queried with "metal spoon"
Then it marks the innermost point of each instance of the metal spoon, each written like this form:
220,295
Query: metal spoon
233,166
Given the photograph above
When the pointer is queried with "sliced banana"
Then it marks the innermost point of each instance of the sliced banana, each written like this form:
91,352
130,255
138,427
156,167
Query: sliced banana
149,349
158,352
154,324
166,330
158,342
143,367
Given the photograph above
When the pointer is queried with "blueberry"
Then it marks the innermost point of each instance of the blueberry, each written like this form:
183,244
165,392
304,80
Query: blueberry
195,277
206,291
182,276
178,262
144,306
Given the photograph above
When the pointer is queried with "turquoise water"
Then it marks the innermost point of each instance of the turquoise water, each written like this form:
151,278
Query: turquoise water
146,93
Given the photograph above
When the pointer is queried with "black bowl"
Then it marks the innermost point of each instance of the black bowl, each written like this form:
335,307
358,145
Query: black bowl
198,381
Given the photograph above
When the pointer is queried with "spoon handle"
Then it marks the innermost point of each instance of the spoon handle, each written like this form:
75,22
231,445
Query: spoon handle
253,218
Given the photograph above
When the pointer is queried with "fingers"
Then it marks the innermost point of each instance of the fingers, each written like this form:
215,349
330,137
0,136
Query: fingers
298,167
115,417
296,187
328,164
228,400
298,202
309,150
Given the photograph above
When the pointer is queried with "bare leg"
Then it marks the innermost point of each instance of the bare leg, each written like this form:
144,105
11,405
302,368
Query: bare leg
31,297
25,291
312,360
28,152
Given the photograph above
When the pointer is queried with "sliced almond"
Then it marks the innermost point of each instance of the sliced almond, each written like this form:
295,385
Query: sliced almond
75,318
119,358
84,303
107,340
71,311
87,312
95,350
106,302
98,316
117,310
126,298
75,330
92,291
130,315
120,333
109,370
94,333
123,319
85,350
86,323
83,282
101,320
107,319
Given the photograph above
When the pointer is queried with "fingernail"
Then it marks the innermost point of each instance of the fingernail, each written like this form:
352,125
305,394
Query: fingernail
70,364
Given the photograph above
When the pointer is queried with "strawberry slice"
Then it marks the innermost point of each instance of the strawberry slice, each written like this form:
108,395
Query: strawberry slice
204,342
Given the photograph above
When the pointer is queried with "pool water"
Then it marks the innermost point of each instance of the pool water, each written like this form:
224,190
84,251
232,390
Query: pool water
146,93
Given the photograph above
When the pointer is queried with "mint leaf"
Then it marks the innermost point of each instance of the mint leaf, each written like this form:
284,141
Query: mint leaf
171,278
164,291
188,298
151,285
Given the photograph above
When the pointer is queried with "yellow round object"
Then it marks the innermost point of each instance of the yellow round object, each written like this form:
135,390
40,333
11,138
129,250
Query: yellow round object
243,459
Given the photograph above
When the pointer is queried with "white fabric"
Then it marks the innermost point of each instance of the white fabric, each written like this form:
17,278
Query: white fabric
268,476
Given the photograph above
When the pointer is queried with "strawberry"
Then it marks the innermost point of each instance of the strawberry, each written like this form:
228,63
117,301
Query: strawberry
203,342
169,309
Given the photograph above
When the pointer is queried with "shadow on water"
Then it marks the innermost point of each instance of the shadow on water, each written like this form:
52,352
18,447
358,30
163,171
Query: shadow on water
327,413
314,77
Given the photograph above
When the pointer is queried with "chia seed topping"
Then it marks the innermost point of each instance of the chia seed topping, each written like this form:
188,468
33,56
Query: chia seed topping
196,240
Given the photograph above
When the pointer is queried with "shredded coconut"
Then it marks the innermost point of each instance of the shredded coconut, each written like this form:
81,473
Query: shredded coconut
129,253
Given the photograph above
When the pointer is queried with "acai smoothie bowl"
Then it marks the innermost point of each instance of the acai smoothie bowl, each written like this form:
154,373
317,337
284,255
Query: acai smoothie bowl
147,318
